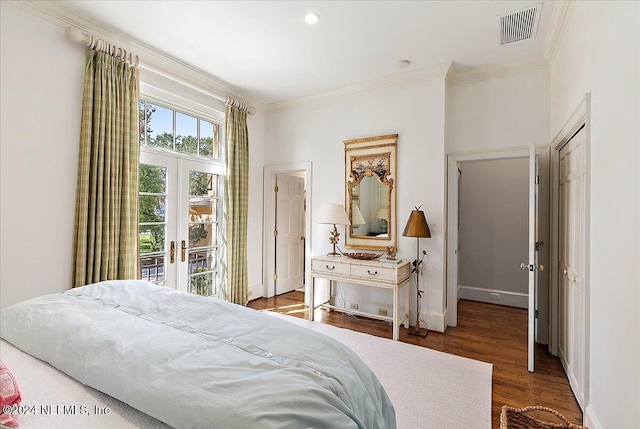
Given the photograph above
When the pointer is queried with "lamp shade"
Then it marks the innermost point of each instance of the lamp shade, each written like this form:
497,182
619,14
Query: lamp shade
417,225
383,213
356,216
333,214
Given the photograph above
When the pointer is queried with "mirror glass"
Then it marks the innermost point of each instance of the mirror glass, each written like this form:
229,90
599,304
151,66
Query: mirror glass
369,192
370,211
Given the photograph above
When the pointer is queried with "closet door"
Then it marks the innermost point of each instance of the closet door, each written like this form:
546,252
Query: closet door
572,263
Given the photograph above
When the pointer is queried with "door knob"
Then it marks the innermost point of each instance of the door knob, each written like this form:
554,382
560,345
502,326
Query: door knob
172,252
184,250
528,267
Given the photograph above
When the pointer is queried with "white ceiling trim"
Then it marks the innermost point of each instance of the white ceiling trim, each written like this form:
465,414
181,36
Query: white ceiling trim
494,71
63,18
561,12
439,71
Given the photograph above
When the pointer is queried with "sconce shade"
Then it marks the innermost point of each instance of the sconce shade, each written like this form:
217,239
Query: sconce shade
417,225
383,213
356,216
333,214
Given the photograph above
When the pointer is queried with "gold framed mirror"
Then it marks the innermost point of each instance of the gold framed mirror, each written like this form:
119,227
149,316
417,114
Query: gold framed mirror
370,196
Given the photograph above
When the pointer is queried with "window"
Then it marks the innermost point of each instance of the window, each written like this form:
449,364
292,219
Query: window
180,199
166,128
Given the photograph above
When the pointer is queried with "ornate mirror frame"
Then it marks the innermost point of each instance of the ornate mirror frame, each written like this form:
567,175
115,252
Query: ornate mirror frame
371,157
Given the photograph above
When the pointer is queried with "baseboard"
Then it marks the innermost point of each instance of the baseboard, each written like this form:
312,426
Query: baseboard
590,419
493,296
435,321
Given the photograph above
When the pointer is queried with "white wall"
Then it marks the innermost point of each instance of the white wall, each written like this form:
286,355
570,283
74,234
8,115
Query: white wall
493,230
509,112
599,52
416,113
41,99
41,79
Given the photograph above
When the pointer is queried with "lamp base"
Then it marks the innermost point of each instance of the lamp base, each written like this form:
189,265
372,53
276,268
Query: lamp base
420,332
333,254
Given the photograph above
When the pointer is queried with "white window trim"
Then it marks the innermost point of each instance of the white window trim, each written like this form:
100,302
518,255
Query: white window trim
184,105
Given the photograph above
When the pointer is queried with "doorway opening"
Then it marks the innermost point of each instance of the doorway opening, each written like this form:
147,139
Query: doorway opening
488,234
287,245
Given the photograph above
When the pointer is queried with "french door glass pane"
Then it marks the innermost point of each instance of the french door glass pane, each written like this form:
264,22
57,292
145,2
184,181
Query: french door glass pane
152,222
202,232
153,179
202,283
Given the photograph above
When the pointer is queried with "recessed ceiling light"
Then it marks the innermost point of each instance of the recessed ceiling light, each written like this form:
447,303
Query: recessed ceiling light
312,18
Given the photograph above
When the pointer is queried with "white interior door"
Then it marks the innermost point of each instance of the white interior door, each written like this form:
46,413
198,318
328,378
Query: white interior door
572,256
532,266
289,269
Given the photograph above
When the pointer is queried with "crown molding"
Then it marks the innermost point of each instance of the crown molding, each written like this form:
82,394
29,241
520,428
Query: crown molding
494,71
559,17
63,17
439,71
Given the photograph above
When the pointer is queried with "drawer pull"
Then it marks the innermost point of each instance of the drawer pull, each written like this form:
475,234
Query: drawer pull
331,268
372,273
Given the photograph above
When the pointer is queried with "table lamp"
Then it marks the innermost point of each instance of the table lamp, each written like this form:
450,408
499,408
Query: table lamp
334,214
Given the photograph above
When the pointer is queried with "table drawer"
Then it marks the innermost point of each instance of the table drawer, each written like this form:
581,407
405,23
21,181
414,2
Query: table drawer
374,273
329,267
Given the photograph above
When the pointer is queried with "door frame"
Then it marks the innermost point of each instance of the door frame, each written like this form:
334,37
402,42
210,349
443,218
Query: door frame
270,172
178,226
452,218
580,117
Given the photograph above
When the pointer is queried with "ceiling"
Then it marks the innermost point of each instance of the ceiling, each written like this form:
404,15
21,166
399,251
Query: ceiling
265,48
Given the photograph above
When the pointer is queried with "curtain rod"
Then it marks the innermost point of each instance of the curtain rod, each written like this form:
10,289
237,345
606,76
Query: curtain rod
77,36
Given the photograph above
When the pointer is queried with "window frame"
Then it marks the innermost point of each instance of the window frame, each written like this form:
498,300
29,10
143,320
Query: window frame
179,104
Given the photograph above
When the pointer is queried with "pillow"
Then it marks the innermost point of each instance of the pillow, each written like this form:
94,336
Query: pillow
9,397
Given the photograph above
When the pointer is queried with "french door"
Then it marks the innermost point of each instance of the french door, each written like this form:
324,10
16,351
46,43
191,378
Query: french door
180,206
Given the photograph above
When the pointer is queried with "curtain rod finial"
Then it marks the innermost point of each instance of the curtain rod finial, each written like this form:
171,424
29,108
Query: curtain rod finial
75,35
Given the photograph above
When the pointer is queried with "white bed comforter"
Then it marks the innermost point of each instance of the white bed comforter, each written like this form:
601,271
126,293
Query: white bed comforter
196,362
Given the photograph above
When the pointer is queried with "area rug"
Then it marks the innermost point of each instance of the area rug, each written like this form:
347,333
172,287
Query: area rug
429,389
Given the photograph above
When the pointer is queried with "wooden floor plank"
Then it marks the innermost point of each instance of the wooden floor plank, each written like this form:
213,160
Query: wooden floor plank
485,332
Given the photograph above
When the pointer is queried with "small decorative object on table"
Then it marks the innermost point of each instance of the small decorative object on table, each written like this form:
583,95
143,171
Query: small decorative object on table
391,252
363,255
534,417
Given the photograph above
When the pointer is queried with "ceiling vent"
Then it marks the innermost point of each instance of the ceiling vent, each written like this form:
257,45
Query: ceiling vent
520,25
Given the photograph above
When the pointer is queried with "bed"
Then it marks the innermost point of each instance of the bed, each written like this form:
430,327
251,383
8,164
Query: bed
427,388
191,361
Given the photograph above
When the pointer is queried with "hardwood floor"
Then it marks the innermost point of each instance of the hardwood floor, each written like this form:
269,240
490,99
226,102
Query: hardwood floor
485,332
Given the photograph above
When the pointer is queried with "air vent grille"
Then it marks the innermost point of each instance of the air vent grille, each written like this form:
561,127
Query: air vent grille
520,25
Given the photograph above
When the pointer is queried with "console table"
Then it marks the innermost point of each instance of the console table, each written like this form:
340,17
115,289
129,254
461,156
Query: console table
364,273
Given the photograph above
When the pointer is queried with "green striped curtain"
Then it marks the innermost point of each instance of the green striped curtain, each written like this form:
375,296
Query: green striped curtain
237,202
106,219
